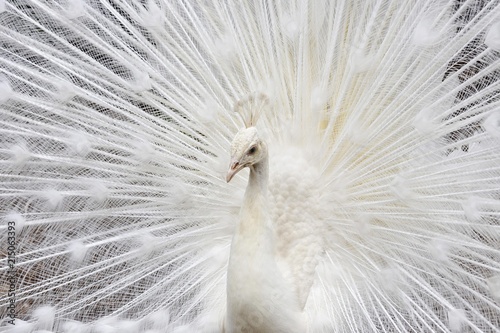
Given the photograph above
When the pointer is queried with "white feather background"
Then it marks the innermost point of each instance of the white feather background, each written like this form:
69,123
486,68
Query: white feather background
116,119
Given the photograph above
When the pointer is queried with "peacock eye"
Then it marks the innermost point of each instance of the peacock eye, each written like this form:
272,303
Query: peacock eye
252,150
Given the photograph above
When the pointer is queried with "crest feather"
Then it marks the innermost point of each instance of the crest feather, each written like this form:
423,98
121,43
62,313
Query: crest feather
250,108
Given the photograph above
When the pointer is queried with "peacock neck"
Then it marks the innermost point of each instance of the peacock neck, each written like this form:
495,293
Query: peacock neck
259,176
252,274
254,212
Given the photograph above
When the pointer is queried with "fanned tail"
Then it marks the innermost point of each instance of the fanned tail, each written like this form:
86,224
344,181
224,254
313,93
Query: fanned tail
383,127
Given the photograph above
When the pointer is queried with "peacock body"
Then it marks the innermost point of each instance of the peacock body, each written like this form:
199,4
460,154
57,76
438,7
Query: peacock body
379,208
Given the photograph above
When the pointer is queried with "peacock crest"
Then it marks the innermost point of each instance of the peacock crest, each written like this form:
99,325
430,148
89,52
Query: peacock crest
251,107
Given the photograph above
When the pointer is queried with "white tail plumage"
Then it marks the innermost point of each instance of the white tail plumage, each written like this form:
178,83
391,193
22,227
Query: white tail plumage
383,126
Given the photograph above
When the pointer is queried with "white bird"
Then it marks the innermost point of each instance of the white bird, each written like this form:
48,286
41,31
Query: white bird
259,298
371,137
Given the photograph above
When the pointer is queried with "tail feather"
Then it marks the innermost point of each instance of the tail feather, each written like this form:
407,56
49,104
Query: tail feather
115,123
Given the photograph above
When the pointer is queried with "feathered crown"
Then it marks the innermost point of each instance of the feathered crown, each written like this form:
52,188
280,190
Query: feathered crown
250,108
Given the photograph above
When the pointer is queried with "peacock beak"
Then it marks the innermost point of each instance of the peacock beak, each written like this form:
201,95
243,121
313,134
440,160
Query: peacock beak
234,168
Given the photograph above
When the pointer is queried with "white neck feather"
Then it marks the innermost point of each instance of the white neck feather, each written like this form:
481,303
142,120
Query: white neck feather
255,286
257,187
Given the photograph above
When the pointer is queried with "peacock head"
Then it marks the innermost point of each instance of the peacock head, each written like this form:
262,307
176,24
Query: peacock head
247,149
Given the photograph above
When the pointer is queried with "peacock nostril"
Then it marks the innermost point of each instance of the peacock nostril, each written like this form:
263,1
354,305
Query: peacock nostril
233,169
